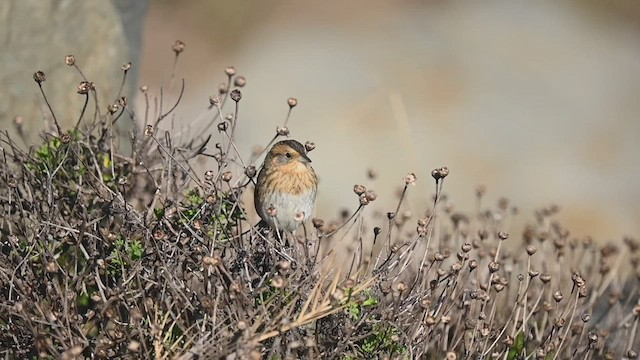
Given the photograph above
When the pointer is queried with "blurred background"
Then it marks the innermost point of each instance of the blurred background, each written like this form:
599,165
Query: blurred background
539,101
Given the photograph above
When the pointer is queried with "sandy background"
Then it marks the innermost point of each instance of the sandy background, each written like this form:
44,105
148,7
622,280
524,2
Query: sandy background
538,101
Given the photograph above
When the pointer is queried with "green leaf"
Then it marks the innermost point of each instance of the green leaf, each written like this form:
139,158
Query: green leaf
518,346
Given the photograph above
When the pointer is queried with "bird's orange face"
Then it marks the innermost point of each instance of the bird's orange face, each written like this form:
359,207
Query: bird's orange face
288,160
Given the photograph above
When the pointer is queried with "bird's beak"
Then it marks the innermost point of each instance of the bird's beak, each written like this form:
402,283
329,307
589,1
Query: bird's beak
305,159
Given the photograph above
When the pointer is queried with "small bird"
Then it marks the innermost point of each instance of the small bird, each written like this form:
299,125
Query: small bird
285,193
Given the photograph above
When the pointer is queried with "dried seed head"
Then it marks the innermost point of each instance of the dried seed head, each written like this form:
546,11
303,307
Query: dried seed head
240,81
198,224
211,199
148,130
438,256
578,280
208,175
410,179
282,131
134,346
250,171
39,77
531,249
359,189
113,108
277,282
473,264
299,216
70,60
370,195
309,146
585,318
317,223
223,126
65,138
466,247
214,100
545,278
364,200
144,89
159,234
494,266
126,67
227,176
222,88
52,267
12,182
533,274
632,354
440,173
235,95
18,121
178,47
292,102
123,101
230,71
557,296
430,321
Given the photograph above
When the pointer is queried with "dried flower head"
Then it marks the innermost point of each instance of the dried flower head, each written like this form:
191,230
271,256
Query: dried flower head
227,176
70,60
282,131
126,67
230,71
317,223
292,102
240,81
410,179
359,189
309,146
235,95
65,138
148,130
178,47
250,171
39,77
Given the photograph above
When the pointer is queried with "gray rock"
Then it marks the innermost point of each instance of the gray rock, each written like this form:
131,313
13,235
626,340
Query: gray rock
38,34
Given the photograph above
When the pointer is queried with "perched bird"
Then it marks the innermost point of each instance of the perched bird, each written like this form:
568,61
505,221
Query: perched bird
285,192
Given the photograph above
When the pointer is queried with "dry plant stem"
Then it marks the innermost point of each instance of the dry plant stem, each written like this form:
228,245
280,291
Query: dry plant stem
162,116
84,108
566,334
173,70
53,114
188,173
392,218
233,131
357,212
124,80
95,97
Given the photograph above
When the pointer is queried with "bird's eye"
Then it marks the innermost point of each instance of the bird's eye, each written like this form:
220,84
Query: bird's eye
288,155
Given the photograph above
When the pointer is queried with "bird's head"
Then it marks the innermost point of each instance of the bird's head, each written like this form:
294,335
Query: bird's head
288,154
